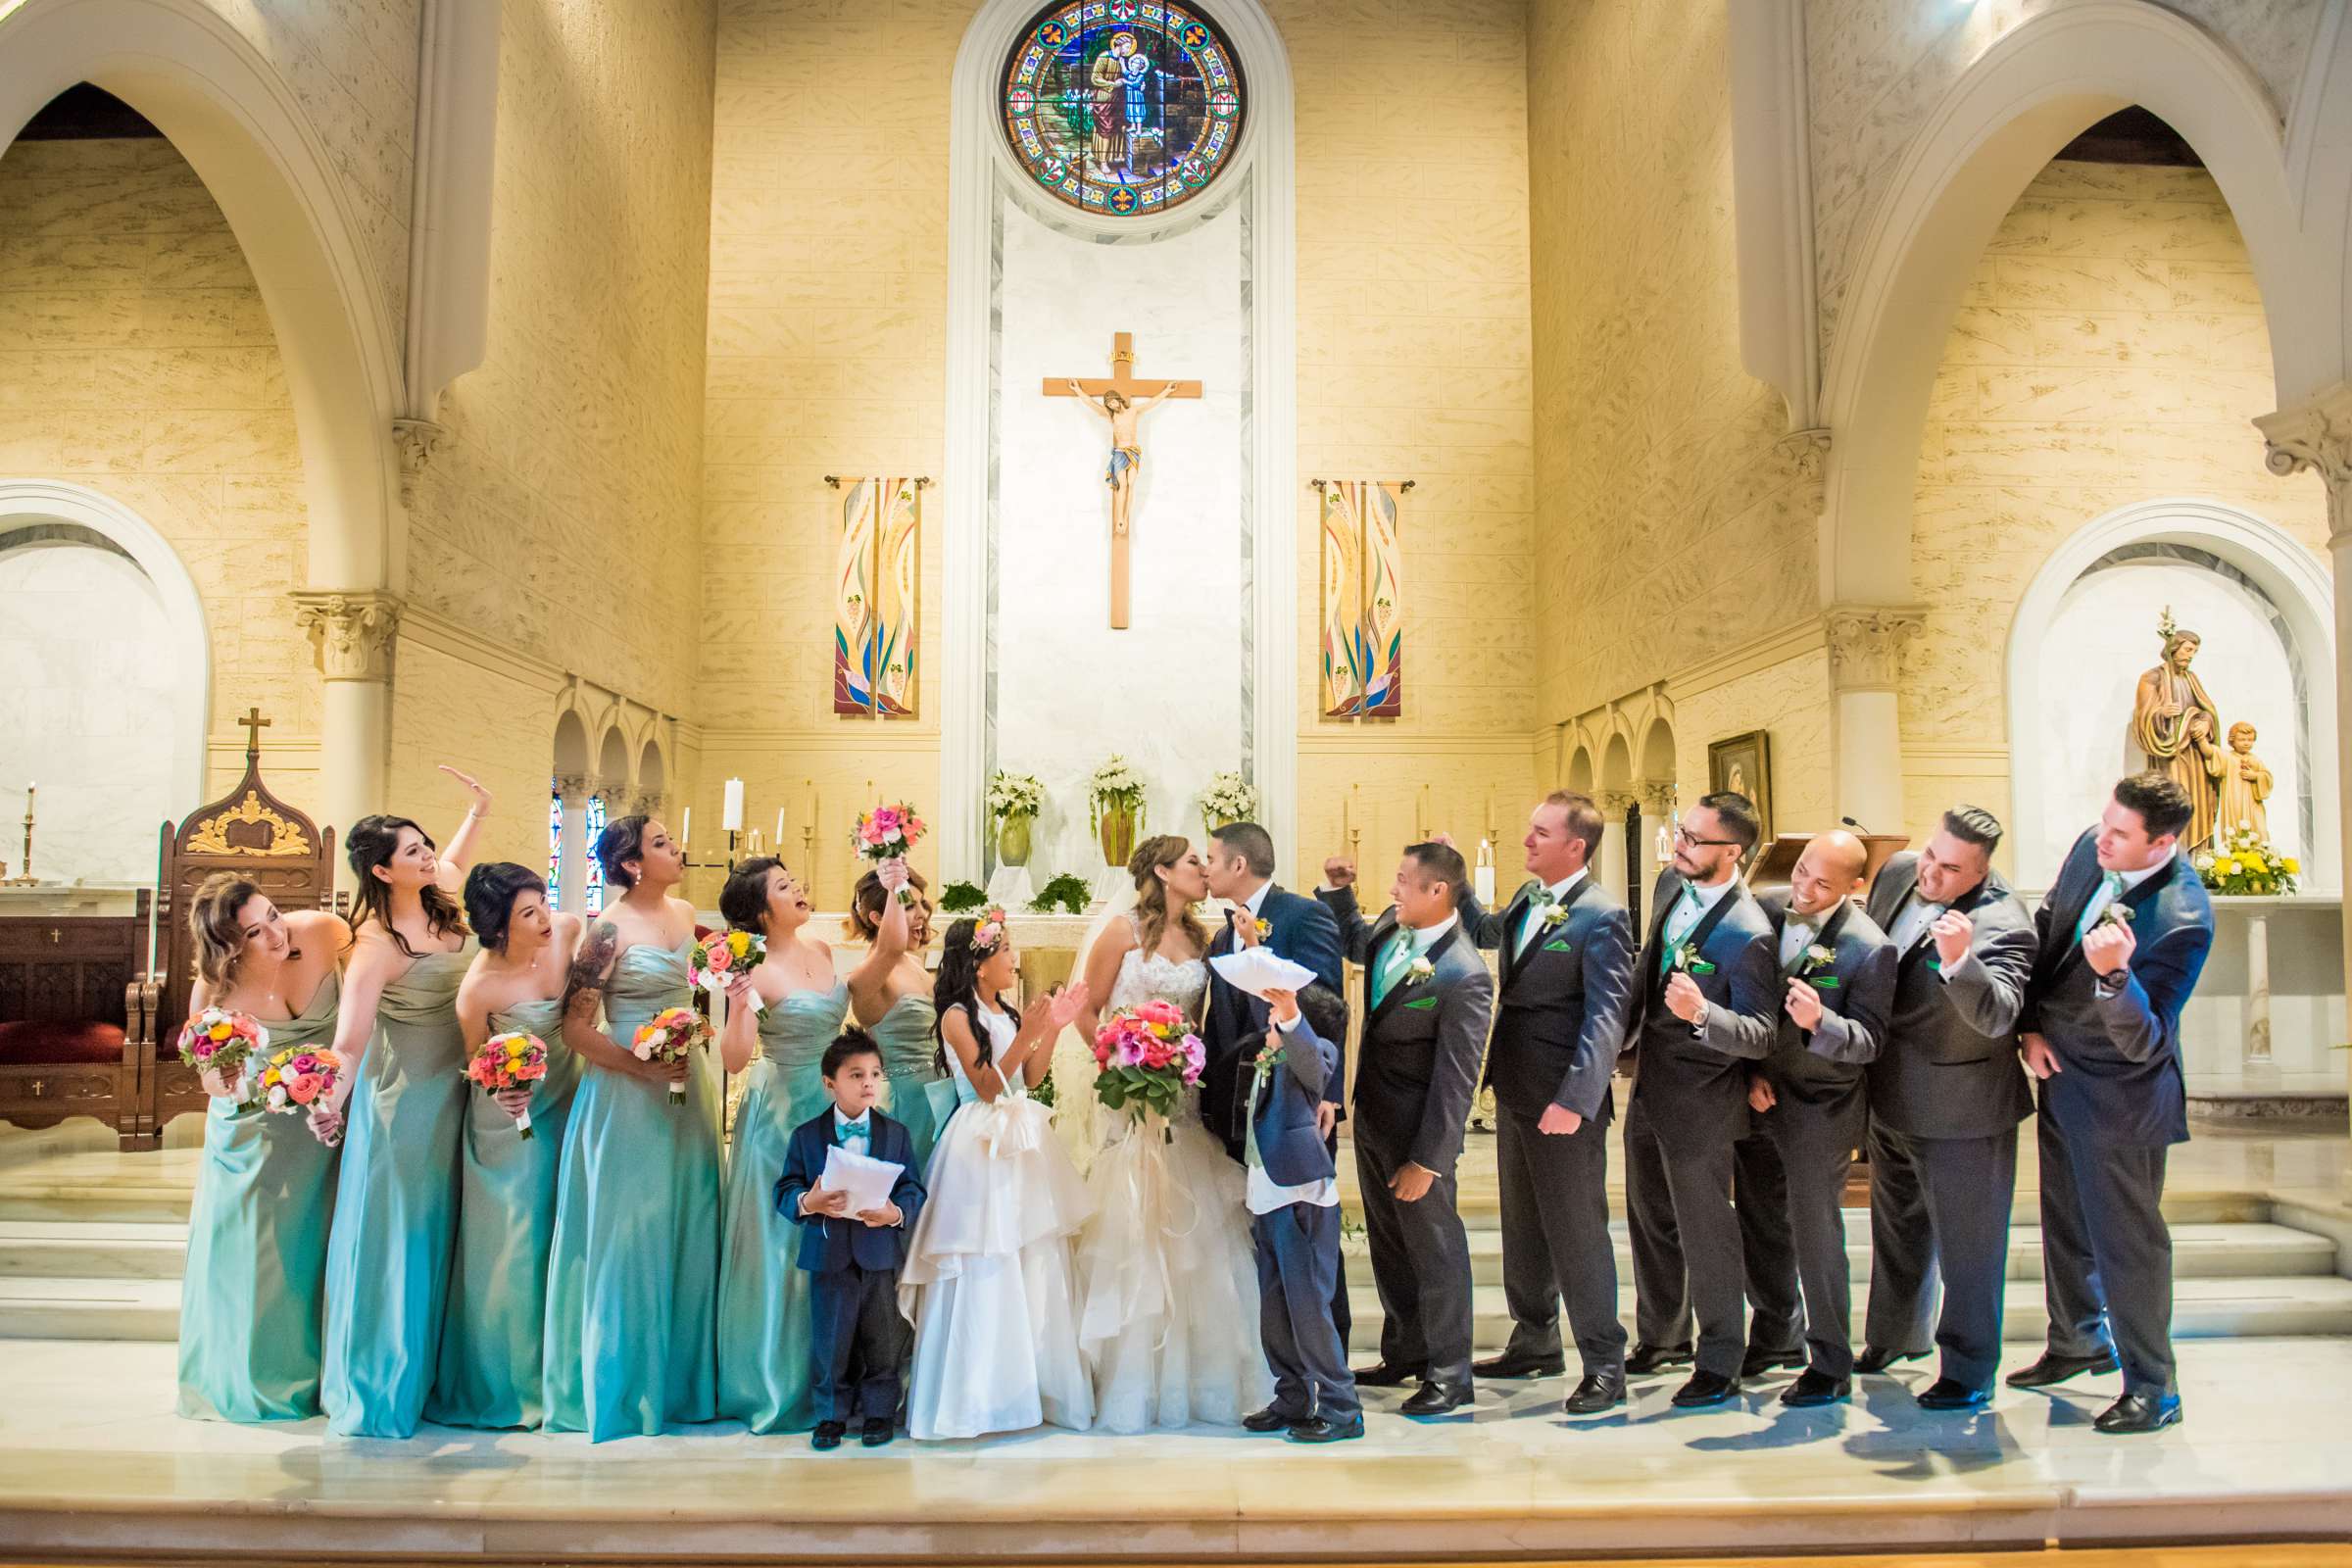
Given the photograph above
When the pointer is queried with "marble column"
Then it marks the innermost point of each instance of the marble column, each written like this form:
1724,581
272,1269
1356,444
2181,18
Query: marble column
1866,646
1618,853
351,637
572,869
2316,434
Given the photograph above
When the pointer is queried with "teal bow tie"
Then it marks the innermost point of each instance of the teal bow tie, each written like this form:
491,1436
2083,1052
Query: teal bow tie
1542,896
853,1131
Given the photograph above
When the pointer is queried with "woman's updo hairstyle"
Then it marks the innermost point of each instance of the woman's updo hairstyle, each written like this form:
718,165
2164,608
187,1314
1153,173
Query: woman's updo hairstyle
490,893
743,902
621,841
865,904
213,922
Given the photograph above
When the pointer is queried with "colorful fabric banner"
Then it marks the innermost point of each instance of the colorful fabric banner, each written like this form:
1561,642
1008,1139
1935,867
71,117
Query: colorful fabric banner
874,598
1363,601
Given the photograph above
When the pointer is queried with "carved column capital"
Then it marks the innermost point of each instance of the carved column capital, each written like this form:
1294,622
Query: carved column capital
1614,804
2316,434
1866,644
1806,451
573,790
350,634
1658,796
418,442
645,803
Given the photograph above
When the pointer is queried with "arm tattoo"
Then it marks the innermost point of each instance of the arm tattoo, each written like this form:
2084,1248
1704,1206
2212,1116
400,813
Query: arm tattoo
591,965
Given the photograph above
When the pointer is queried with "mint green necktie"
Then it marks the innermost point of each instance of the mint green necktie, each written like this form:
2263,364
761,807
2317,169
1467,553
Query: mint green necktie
1394,961
1672,938
1257,1085
2112,884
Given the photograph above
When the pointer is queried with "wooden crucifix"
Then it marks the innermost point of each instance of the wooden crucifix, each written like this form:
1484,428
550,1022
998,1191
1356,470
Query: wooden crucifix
1123,400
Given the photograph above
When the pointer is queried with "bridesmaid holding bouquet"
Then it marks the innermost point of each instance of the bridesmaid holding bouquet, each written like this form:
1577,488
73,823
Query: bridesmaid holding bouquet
489,1374
404,1094
252,1292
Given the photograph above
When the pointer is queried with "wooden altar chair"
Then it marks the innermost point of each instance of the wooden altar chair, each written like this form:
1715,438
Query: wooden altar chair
256,835
72,1017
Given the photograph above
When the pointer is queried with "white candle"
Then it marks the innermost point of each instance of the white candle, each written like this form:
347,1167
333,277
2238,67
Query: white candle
730,811
686,828
779,827
1482,879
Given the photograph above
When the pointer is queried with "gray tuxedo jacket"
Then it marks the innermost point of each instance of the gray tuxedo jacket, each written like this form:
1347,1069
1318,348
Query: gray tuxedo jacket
1560,1005
1694,1081
1857,987
1417,1068
1949,1067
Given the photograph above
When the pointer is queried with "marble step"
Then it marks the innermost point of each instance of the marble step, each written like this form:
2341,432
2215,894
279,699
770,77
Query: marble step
2293,1305
116,1199
89,1308
155,1249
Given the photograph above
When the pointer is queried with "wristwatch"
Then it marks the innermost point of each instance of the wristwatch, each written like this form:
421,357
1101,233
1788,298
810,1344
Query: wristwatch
2108,984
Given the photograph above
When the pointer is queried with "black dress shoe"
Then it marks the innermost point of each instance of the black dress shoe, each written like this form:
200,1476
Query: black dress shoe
1649,1358
1705,1388
1436,1399
1508,1365
1813,1388
1874,1360
877,1431
1381,1375
2055,1368
1598,1391
1314,1429
828,1434
2139,1412
1950,1394
1760,1360
1271,1420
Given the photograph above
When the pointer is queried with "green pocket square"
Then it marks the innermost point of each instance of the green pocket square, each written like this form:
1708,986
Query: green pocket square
1425,1002
1701,966
1827,982
1558,947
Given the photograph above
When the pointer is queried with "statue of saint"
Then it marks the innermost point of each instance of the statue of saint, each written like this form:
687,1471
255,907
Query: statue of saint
2174,722
2246,786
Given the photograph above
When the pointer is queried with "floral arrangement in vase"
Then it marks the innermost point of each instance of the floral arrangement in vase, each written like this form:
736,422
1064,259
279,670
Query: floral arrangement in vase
2242,862
1229,797
1115,797
1013,802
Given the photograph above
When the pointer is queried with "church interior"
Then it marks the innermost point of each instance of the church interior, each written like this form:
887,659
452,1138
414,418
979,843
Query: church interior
1358,416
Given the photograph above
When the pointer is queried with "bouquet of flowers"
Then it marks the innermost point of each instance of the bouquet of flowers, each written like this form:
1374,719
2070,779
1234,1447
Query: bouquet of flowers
304,1078
1114,785
667,1037
717,959
1228,799
2243,863
886,833
1015,795
509,1061
222,1041
1148,1057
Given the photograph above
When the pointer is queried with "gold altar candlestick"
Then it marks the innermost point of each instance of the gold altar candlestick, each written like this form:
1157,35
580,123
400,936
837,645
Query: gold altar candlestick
25,877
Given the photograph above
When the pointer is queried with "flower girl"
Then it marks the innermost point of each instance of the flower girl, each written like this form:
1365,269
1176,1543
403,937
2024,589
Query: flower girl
988,1281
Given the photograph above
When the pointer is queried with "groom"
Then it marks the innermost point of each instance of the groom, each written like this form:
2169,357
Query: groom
1241,870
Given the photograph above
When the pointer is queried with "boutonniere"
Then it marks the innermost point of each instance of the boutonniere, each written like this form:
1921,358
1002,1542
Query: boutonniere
1688,962
1270,1057
2116,912
1420,970
1816,958
1553,914
1265,929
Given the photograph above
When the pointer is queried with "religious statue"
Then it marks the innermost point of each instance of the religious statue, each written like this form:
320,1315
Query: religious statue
2176,723
2246,786
1119,404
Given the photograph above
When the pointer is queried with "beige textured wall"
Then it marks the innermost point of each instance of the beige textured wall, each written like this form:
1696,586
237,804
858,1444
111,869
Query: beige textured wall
827,342
559,531
1670,528
1878,69
2111,348
136,359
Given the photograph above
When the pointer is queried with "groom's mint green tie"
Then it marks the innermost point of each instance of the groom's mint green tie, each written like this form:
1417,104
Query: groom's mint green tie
1394,959
2111,888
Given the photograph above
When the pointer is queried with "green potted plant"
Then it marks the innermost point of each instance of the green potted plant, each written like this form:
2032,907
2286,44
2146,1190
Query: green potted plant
1013,800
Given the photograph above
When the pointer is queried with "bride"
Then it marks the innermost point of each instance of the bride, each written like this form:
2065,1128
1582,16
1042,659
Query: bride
1167,1278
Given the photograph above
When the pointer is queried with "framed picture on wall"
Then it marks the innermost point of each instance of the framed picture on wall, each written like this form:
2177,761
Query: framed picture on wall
1743,763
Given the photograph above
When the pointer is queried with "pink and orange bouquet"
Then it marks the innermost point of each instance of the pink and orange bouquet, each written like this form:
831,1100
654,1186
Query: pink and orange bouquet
887,833
717,959
222,1041
304,1078
509,1061
668,1035
1149,1057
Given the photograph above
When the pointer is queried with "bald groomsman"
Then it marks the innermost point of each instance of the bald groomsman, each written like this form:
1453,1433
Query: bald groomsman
1567,983
2124,932
1946,1097
1838,972
1708,1004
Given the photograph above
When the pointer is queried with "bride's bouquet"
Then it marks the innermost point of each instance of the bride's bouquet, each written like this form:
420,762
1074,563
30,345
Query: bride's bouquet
223,1041
1149,1057
886,833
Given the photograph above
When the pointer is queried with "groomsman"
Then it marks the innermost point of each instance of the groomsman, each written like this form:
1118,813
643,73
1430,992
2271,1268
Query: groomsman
1946,1097
2125,932
1709,1004
1839,971
1567,983
1430,1001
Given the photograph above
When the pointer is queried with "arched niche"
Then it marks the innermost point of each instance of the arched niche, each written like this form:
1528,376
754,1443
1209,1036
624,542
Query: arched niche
1580,772
2063,689
613,771
570,743
652,774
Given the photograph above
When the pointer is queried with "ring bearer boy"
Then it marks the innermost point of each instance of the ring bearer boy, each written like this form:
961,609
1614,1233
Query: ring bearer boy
855,1258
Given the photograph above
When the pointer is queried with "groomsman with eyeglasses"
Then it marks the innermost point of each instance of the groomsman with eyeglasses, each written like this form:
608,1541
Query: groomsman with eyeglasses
1709,1004
2124,936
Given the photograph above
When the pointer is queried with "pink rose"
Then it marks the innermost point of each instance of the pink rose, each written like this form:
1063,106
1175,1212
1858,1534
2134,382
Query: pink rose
305,1086
1159,1011
718,958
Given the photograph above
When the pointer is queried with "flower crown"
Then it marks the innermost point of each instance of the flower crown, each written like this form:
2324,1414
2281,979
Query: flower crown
988,931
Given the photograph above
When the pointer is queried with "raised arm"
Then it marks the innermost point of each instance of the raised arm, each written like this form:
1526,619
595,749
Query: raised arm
955,1033
1080,393
1746,1026
1857,1035
457,854
1042,1023
869,981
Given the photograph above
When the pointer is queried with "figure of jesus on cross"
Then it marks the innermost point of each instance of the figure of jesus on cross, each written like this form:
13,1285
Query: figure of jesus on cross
1117,400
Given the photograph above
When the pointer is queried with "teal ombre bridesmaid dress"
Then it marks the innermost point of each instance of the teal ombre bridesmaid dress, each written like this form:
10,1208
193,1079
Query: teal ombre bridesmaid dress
490,1337
251,1298
763,1369
634,1270
396,1215
911,1059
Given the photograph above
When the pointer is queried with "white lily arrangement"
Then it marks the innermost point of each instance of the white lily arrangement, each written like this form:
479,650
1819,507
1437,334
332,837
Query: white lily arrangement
1114,785
1015,795
1229,795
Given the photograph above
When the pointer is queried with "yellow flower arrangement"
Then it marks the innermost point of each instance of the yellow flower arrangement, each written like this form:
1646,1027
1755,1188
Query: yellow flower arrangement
2240,862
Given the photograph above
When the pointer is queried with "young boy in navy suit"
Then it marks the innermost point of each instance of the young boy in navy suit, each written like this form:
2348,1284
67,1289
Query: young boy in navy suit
1293,1197
854,1258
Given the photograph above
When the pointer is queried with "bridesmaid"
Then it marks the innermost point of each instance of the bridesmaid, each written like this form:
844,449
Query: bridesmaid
250,1302
763,1349
396,1218
891,993
490,1337
634,1267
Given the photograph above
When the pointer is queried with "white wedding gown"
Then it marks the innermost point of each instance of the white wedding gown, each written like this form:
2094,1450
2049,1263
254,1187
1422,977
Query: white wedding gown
1168,1280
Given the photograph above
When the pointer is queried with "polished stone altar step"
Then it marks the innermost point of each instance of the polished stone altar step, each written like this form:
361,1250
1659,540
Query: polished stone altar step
154,1250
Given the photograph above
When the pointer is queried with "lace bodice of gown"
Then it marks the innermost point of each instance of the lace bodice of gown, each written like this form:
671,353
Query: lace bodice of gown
1146,977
